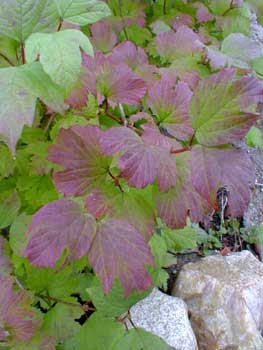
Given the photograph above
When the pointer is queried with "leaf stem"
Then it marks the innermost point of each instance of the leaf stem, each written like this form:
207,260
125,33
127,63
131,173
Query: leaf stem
164,7
23,53
57,300
115,180
123,21
60,24
181,150
6,59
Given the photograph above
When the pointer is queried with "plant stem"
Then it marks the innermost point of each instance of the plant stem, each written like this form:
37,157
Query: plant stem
60,25
6,59
164,7
181,150
115,180
50,120
23,53
57,300
123,21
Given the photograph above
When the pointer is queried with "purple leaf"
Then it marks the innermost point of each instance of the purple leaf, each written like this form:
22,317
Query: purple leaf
119,251
215,168
182,200
222,107
58,226
103,37
171,45
18,321
142,163
202,13
171,107
77,150
128,53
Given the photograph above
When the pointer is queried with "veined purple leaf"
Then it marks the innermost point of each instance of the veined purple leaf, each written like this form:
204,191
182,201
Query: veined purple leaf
172,45
202,13
217,59
58,226
230,168
181,20
171,107
128,53
119,84
103,37
119,251
221,108
141,163
132,206
183,200
17,320
77,150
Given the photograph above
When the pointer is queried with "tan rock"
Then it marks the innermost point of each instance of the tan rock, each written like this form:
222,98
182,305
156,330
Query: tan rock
224,295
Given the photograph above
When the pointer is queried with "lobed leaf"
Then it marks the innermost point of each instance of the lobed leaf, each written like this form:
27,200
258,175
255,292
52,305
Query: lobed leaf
21,86
222,109
50,49
78,151
119,251
216,168
58,226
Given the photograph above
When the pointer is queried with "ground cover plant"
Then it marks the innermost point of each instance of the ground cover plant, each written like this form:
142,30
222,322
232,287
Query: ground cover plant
118,126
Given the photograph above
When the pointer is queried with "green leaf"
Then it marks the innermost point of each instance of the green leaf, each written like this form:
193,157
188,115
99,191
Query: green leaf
17,237
59,321
82,12
254,137
114,304
66,122
181,239
59,53
7,163
20,87
98,333
140,36
9,206
139,339
20,18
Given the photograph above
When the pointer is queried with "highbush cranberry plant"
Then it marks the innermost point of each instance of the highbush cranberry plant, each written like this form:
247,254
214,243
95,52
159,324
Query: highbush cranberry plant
110,130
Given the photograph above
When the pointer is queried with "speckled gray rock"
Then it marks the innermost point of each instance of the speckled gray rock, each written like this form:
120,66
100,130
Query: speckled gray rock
166,317
224,298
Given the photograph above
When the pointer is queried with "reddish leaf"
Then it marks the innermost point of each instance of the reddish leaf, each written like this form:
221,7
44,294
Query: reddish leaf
171,107
17,319
103,37
202,13
133,206
221,109
215,168
58,226
119,251
142,163
119,84
171,45
77,150
128,53
182,200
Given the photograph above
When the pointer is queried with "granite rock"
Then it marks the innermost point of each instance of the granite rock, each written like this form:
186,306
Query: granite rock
224,298
166,317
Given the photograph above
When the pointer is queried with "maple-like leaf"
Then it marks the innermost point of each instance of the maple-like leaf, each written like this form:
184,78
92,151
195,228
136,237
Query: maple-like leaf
143,160
119,251
58,226
173,45
216,168
182,200
82,12
50,49
18,321
171,107
126,52
241,50
19,19
222,107
134,206
103,37
77,150
21,86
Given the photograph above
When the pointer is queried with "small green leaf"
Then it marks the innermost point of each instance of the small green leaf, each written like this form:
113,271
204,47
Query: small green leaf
59,53
17,237
9,206
82,12
254,137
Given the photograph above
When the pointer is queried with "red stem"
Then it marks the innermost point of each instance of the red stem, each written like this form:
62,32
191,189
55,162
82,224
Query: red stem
23,53
6,59
60,25
181,150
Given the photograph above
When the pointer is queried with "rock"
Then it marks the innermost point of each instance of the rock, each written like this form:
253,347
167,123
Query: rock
166,317
224,298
